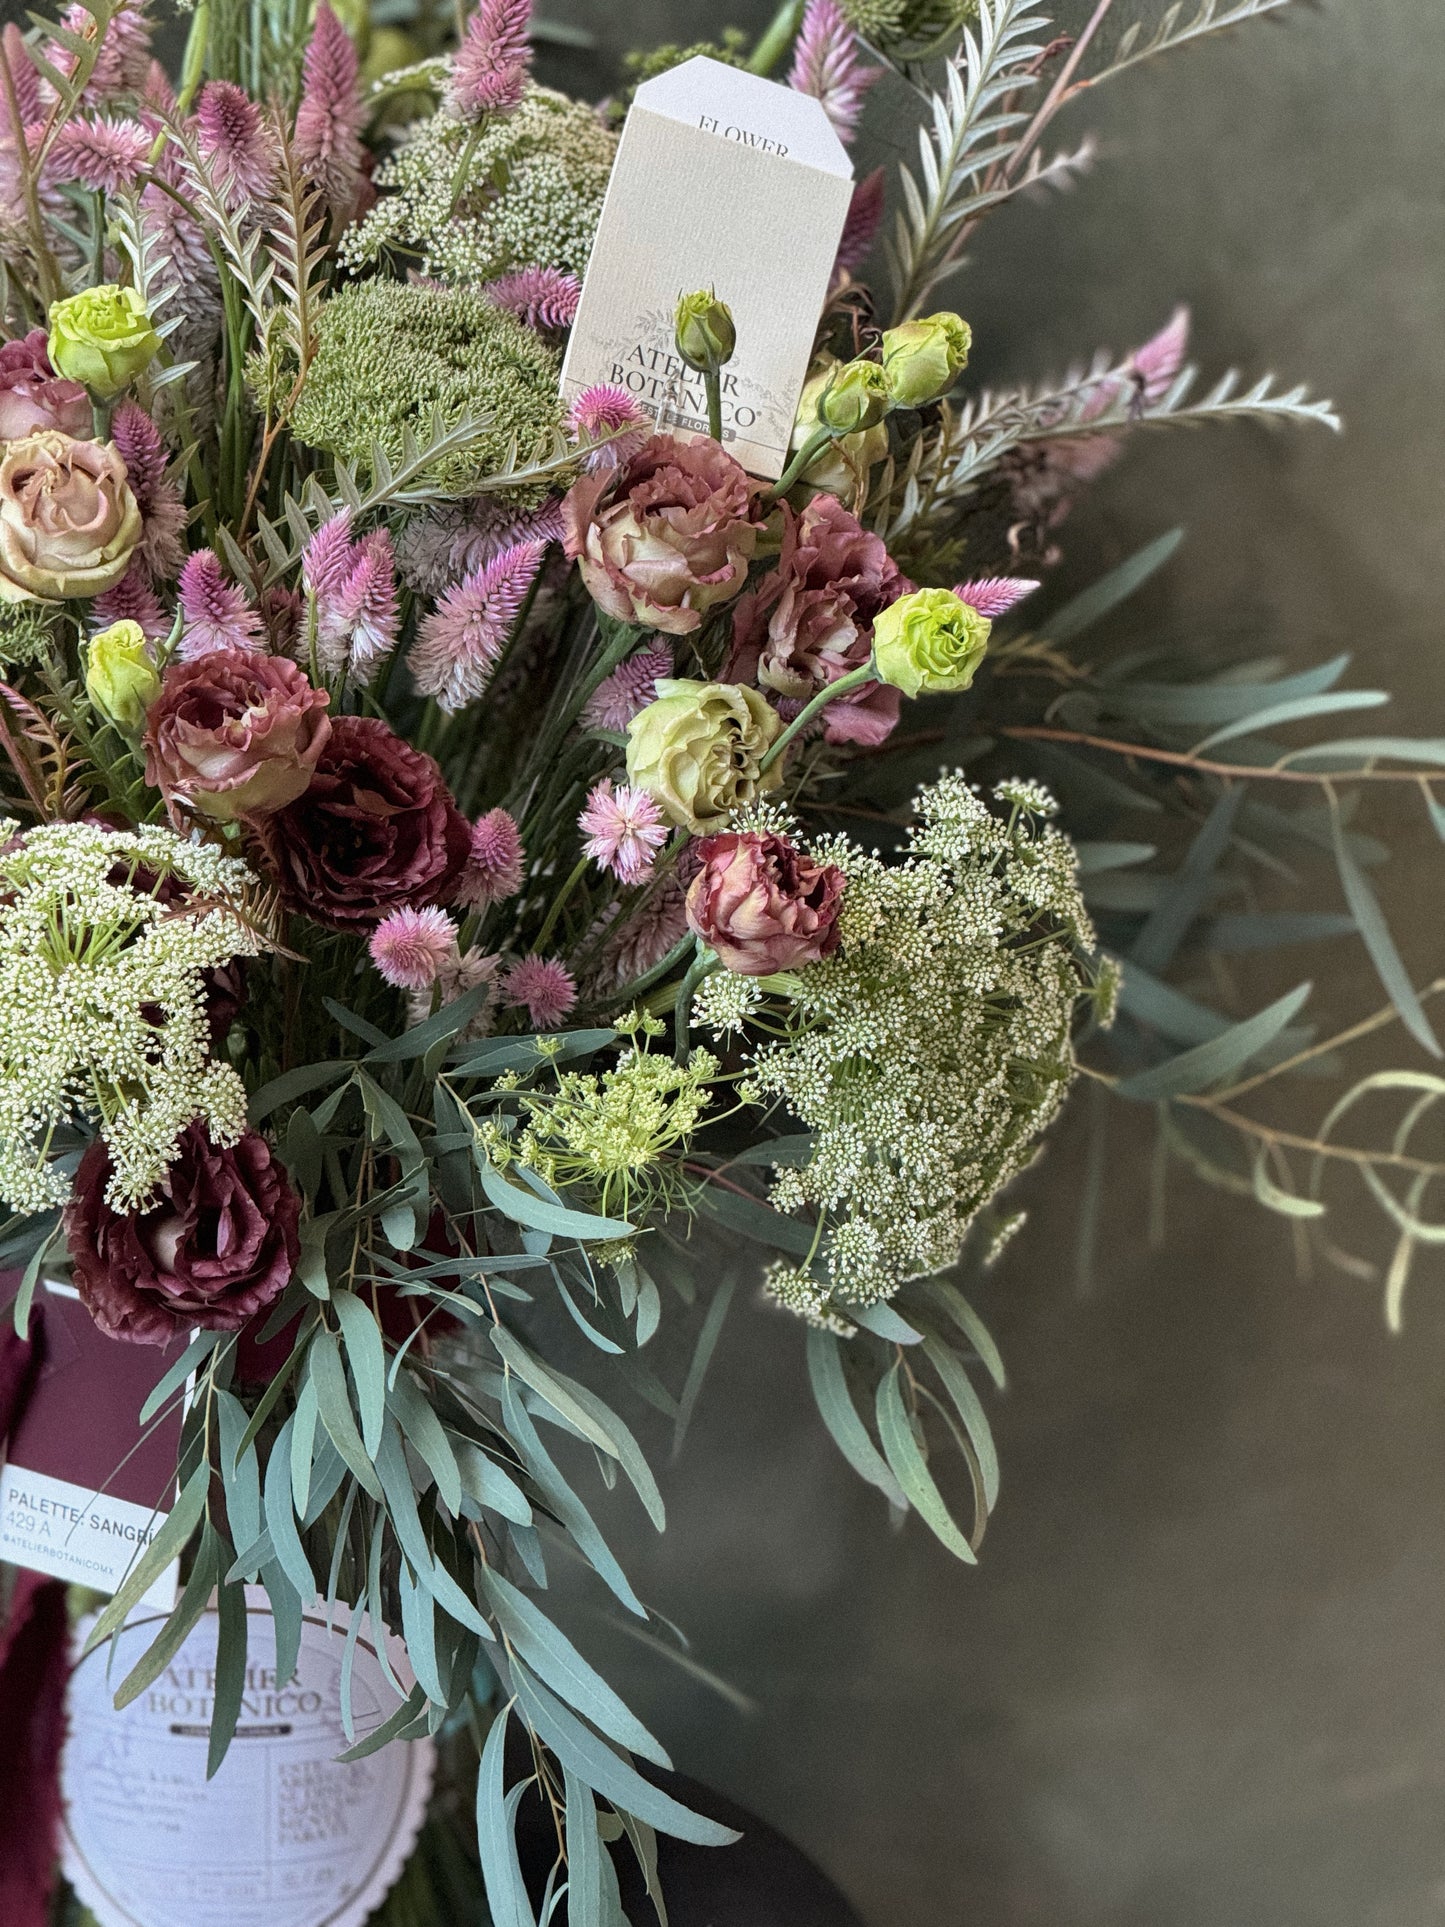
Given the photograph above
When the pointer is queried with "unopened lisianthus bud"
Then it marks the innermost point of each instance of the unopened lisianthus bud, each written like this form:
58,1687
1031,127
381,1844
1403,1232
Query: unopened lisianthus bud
923,358
102,337
929,643
855,397
120,677
704,331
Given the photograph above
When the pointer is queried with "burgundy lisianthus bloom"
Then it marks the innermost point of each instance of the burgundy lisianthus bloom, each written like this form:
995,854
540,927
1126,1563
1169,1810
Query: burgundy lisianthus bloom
762,904
33,396
219,1244
377,831
811,620
234,733
666,536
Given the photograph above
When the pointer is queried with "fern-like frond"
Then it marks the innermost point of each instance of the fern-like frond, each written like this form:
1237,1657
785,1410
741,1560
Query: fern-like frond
975,128
1174,31
297,247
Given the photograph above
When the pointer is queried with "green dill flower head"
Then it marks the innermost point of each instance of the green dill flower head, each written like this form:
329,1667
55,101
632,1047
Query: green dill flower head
524,193
389,357
928,1054
104,939
646,63
894,25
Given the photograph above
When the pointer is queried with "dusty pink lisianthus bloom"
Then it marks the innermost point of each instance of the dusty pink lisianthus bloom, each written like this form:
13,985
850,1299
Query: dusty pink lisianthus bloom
69,523
762,904
235,733
667,535
33,396
218,1245
810,620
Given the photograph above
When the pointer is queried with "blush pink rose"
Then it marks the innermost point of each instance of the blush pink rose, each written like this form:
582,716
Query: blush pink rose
762,904
235,733
666,536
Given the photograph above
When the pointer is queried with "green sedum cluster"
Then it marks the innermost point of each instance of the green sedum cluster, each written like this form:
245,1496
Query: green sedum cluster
928,1054
104,936
468,205
893,24
389,357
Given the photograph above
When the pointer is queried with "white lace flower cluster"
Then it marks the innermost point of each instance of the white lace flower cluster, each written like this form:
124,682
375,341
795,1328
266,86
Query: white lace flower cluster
930,1052
104,936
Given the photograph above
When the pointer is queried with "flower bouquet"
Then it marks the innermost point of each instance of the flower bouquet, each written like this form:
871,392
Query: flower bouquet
465,855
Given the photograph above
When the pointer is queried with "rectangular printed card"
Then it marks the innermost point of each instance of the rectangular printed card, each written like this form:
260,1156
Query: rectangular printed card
726,181
82,1492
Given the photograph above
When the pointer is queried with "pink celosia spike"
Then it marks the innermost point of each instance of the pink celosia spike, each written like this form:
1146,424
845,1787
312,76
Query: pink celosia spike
411,947
489,69
603,410
495,865
24,76
236,142
547,989
827,65
544,298
156,90
994,595
865,217
630,688
328,557
163,513
367,606
1157,363
458,644
132,600
331,117
216,612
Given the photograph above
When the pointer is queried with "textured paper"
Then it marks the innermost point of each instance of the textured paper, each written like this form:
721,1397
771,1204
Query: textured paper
82,1492
725,181
284,1836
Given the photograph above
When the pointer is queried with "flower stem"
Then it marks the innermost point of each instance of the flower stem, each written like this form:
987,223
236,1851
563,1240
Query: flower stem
558,901
777,37
712,381
801,463
852,680
703,965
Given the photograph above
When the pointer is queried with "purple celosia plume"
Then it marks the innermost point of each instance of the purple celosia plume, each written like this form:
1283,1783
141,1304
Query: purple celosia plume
353,585
630,688
494,863
435,550
102,154
236,142
123,55
623,828
542,298
860,229
994,595
489,68
458,644
215,612
546,988
331,117
163,513
827,65
23,75
132,600
603,410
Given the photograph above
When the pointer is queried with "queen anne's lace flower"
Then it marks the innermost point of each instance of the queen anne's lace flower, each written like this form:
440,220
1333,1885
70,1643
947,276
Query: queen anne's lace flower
104,939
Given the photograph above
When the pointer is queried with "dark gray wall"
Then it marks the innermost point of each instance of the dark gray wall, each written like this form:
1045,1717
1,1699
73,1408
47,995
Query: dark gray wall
1199,1677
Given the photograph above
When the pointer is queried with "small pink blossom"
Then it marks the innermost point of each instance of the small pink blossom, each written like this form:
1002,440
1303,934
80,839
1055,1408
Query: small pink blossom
545,987
994,595
601,411
459,643
826,64
331,117
629,689
102,154
216,612
624,830
147,469
542,298
411,947
489,69
237,143
132,600
494,863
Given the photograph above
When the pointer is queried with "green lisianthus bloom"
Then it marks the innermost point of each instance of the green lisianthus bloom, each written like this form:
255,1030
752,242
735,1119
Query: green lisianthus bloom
929,643
120,677
103,338
856,397
922,359
697,751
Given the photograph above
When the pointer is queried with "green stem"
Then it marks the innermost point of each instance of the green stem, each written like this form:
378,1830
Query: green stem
778,36
558,901
194,66
801,463
712,381
703,965
852,680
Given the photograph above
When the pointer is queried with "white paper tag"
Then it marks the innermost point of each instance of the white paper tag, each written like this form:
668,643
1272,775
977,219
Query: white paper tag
726,181
284,1836
69,1532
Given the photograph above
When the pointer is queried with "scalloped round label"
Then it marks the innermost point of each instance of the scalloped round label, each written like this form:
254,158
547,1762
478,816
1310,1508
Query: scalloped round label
285,1835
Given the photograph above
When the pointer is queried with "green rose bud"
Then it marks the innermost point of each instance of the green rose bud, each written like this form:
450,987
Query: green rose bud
922,358
704,331
929,643
840,468
103,337
856,397
696,751
120,677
